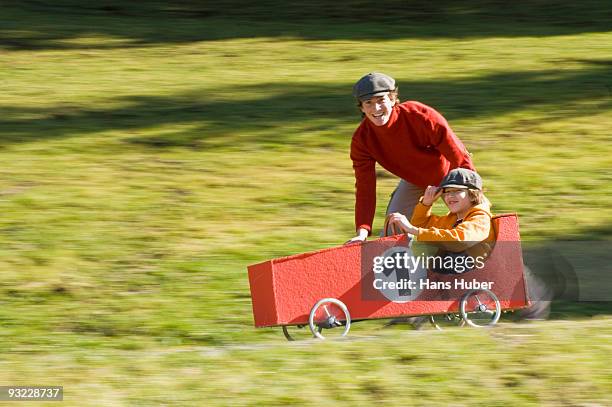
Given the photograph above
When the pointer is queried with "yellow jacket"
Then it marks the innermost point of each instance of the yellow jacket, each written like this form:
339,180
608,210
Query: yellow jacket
473,229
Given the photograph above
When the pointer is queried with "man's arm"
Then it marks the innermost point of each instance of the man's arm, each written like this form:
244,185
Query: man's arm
445,140
365,186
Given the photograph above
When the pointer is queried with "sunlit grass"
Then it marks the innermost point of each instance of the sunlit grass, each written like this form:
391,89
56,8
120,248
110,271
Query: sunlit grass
142,172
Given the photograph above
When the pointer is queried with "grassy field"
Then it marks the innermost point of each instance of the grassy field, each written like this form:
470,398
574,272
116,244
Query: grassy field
151,152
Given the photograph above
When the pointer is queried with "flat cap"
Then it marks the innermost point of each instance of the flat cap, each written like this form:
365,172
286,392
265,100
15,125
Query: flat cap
373,84
462,178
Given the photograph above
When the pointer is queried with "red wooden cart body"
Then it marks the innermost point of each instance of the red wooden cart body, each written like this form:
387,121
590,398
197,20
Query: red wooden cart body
284,290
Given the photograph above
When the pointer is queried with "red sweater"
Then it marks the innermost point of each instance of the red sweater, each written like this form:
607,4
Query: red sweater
416,144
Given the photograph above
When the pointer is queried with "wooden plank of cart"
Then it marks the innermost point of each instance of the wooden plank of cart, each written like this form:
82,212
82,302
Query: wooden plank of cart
330,288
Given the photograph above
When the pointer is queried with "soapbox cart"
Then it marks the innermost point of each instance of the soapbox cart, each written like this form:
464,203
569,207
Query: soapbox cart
333,287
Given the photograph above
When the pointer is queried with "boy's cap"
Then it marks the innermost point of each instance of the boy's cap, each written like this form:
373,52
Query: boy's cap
462,178
373,84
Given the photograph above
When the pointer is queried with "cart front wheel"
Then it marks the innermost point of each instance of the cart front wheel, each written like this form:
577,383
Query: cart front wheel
329,313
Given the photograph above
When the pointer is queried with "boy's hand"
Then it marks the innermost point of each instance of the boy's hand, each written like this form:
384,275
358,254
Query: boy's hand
431,195
402,222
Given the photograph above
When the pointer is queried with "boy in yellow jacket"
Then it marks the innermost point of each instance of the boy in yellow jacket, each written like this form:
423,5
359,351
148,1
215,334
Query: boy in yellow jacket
468,220
467,226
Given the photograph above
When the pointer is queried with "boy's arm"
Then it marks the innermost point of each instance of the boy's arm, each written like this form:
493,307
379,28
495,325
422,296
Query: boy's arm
472,230
422,216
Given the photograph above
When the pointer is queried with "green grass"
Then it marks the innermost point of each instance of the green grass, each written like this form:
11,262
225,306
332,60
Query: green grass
151,152
511,365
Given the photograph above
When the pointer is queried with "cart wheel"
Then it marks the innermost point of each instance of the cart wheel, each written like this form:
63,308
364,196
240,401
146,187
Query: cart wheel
298,332
444,321
329,313
480,308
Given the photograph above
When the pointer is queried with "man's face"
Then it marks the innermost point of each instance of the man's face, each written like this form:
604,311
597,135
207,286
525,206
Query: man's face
378,109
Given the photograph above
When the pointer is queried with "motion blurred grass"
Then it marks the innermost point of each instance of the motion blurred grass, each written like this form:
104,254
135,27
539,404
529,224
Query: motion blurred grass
151,152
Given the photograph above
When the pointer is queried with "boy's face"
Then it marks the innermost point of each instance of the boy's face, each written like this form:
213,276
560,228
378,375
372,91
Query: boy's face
378,109
456,199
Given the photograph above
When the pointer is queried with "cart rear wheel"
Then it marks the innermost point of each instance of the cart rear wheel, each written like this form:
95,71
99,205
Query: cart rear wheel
480,308
444,321
297,332
329,313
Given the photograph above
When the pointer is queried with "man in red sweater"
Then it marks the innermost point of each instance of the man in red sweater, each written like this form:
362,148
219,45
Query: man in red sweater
410,140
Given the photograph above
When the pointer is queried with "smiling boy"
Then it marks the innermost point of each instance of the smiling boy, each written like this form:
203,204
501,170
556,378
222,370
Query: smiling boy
467,226
469,217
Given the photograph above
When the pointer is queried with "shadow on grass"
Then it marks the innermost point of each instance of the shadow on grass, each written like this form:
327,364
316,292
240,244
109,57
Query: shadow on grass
273,114
578,271
53,25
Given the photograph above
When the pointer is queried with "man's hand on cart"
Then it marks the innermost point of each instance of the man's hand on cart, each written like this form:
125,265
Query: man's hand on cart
361,237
